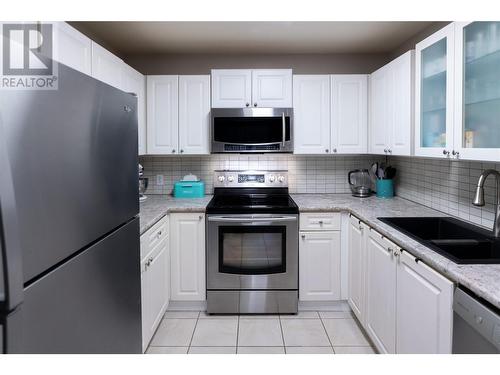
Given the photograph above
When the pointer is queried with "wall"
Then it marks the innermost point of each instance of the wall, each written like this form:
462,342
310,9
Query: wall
410,43
307,174
447,186
300,63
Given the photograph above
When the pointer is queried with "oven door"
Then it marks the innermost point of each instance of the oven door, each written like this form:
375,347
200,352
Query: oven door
252,252
252,130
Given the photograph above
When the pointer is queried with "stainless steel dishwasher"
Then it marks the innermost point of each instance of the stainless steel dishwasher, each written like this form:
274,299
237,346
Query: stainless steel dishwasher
476,325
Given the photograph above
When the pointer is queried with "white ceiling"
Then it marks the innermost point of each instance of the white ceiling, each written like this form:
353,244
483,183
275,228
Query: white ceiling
251,37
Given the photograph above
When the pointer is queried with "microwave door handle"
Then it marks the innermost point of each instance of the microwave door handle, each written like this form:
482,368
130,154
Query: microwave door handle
283,122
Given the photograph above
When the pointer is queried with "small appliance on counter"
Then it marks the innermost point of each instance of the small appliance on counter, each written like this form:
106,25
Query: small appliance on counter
189,187
143,184
360,183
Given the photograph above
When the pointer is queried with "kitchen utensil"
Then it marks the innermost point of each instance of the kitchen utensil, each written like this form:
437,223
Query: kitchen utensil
360,183
380,173
390,173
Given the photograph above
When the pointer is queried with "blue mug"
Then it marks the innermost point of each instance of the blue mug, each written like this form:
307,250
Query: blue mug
385,188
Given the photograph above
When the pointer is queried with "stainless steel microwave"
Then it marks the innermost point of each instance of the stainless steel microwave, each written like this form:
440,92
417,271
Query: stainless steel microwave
247,130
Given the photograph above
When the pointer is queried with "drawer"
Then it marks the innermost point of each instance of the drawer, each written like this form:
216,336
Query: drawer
320,221
154,236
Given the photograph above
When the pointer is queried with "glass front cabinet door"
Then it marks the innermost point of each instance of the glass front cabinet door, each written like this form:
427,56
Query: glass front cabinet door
434,94
477,74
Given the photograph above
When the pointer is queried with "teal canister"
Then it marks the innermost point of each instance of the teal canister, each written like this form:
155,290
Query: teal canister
385,188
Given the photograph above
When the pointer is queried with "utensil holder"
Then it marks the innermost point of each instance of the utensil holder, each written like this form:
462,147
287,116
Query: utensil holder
385,188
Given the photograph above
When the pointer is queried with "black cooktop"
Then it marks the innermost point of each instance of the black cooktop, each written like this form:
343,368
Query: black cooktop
249,201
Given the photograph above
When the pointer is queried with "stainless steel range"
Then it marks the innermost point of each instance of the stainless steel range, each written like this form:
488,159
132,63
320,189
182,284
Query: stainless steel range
252,244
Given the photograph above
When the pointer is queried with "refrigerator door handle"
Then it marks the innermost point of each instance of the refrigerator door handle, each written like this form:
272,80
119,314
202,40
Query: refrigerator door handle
11,287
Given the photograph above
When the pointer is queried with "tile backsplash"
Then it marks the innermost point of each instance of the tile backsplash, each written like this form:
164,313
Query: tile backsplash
307,174
444,185
447,186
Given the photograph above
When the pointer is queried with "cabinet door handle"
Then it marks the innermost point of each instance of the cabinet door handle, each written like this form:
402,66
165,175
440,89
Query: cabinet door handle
247,104
334,150
255,104
303,236
326,150
385,150
446,153
455,153
182,150
173,151
200,217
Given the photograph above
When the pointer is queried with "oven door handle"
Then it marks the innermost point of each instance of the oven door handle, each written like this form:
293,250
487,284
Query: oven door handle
225,219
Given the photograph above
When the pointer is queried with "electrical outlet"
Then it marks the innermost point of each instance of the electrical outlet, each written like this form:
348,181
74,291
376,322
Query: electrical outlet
160,180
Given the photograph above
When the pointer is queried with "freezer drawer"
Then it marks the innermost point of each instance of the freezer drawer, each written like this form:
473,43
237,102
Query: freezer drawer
90,304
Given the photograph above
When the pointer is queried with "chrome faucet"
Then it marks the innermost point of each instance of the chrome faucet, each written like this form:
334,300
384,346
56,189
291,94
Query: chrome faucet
479,198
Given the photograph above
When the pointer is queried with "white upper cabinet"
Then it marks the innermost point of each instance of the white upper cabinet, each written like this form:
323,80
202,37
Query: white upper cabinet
434,72
237,88
231,88
311,111
272,88
135,83
72,48
194,114
162,114
424,309
477,91
107,67
391,107
349,114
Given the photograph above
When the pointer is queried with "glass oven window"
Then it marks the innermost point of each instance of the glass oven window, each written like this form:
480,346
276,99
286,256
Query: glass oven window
252,250
250,130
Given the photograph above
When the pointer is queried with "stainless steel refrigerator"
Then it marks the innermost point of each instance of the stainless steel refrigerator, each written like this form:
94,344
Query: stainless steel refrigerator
69,230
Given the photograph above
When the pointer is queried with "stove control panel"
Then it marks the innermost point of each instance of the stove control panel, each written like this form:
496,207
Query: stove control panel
236,179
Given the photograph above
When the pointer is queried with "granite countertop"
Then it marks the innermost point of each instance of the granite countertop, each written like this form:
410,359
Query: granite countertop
157,206
482,279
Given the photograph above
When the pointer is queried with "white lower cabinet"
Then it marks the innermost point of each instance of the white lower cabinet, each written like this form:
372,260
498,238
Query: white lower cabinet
155,278
404,305
319,258
187,257
424,313
381,293
357,266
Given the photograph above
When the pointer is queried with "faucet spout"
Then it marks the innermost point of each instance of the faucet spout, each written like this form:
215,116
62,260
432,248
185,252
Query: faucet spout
479,197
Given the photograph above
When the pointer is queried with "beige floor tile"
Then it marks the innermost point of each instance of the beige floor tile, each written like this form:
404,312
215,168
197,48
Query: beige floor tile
212,350
259,316
181,315
167,350
261,350
215,332
301,315
204,315
259,332
304,332
345,332
309,350
174,332
335,315
353,350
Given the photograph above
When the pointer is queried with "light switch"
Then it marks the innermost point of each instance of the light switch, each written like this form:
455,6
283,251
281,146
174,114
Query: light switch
160,180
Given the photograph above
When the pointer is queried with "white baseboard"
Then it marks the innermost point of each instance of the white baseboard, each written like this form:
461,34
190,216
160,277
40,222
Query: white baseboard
187,306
